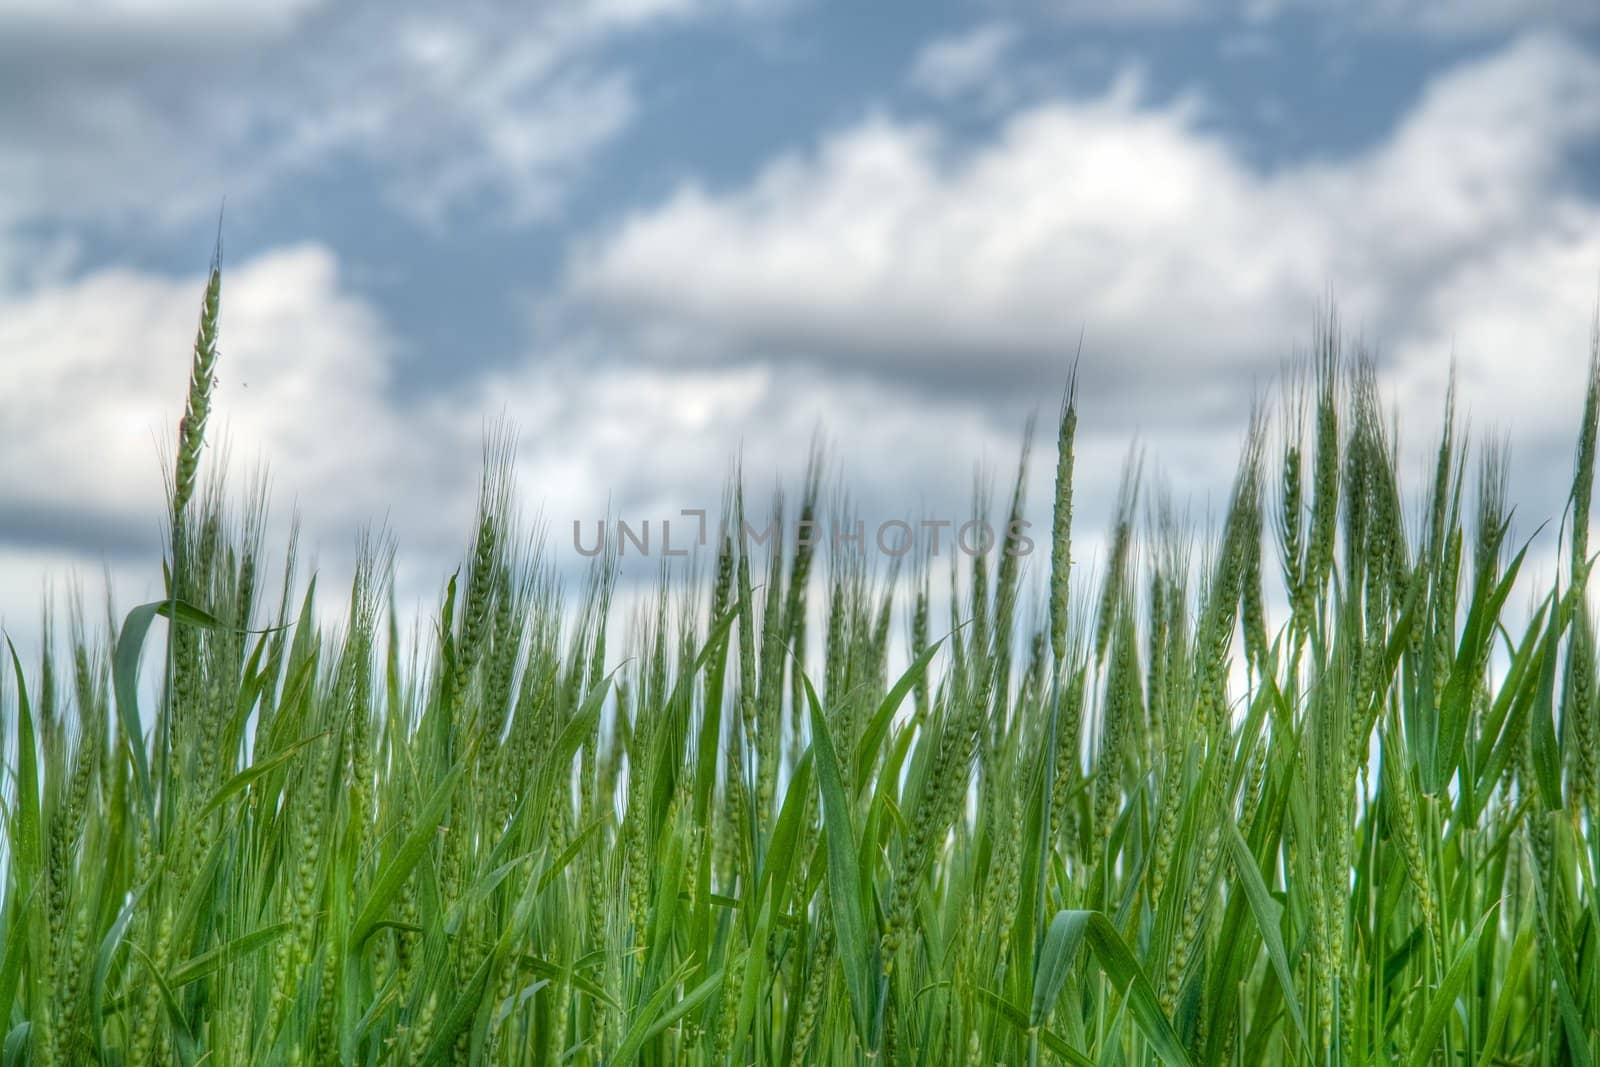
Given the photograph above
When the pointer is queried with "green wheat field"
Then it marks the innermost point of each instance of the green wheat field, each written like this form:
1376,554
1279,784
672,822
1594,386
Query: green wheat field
1144,815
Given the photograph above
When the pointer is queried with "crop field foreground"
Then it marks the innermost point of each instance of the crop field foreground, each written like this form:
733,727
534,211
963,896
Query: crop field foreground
1146,823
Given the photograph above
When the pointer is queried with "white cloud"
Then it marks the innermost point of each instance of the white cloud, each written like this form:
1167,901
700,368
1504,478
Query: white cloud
494,107
891,250
911,295
1517,321
652,440
96,373
96,377
964,62
893,262
525,156
484,109
304,386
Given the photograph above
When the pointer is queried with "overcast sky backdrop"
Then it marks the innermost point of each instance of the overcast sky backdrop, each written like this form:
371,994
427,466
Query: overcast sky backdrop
651,232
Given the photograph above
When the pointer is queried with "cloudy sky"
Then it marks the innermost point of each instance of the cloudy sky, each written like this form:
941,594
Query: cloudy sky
653,233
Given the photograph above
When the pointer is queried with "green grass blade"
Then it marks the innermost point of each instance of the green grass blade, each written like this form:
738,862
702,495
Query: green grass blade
1268,915
389,881
856,952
